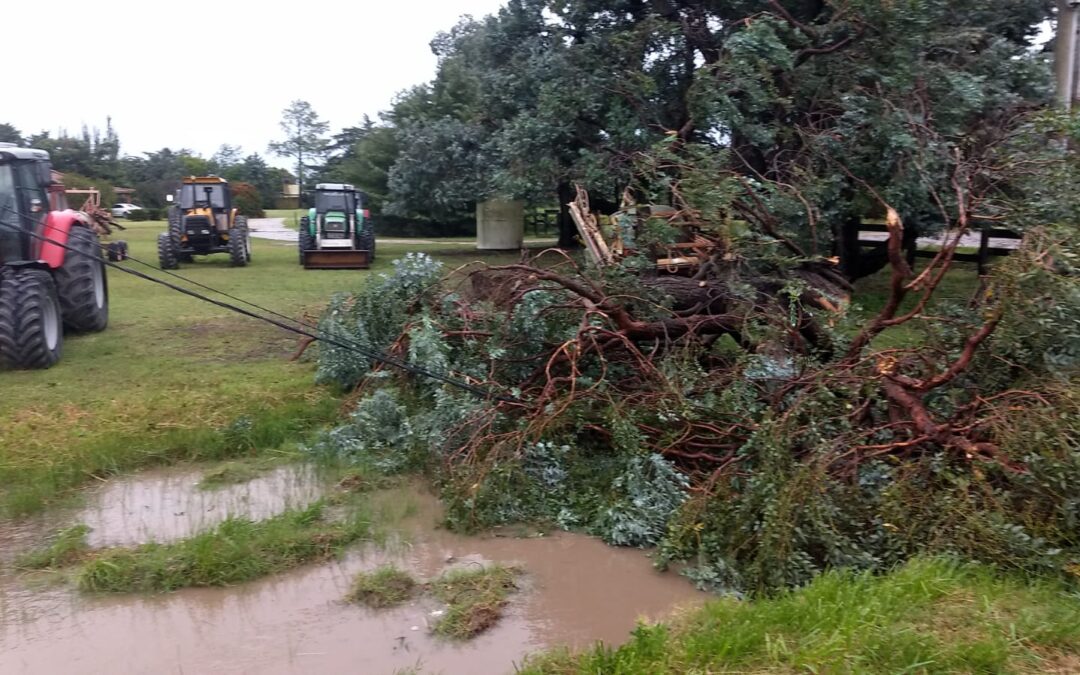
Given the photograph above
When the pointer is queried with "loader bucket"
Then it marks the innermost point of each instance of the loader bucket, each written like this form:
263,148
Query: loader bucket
342,259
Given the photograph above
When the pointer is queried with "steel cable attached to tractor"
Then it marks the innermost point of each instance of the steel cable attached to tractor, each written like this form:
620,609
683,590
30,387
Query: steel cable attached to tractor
320,335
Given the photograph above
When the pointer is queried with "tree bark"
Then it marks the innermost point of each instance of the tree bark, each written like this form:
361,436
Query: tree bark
567,229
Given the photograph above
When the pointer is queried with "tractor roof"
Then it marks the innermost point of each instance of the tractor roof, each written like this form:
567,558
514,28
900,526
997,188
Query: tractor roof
335,187
204,180
10,151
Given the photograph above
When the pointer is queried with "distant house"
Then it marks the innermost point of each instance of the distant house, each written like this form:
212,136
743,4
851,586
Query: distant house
289,197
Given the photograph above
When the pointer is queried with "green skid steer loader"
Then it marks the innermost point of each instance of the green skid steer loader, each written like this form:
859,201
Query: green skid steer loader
337,233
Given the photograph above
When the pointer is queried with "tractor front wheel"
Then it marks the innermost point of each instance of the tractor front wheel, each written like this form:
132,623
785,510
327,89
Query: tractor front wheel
306,242
82,285
239,249
167,256
31,327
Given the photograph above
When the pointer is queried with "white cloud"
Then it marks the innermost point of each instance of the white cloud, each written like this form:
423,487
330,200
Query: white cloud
199,74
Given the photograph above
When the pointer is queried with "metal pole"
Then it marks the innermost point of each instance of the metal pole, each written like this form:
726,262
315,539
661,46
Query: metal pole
1067,56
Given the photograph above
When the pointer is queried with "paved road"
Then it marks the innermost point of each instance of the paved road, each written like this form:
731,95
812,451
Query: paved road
275,230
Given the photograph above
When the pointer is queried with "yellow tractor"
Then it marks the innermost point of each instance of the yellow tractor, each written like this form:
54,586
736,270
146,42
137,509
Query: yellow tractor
202,222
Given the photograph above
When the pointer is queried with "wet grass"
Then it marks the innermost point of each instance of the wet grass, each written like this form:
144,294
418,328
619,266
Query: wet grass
475,599
172,374
67,547
930,616
384,587
243,470
234,552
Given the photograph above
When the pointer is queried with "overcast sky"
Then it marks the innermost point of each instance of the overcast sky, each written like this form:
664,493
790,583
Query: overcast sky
199,74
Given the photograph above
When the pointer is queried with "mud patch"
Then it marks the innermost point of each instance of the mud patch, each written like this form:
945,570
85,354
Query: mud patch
575,591
234,339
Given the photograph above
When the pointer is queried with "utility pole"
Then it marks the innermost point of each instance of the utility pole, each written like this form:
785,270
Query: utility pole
1067,56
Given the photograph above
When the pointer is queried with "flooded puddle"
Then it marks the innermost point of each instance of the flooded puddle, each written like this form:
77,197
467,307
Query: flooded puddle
166,505
576,590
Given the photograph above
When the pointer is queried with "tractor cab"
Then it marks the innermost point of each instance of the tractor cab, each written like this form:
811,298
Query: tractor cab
203,221
25,179
337,232
205,202
337,213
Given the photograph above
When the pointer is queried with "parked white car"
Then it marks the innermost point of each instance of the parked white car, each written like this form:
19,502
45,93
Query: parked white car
123,210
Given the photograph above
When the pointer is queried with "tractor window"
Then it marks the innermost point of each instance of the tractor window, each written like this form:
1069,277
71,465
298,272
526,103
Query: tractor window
8,206
192,196
334,201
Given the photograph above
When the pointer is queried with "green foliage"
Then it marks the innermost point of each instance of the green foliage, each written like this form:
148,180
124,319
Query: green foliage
649,490
246,199
139,215
373,317
931,616
76,181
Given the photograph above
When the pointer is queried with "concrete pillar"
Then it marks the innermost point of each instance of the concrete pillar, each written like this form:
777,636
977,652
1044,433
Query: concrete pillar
1067,55
500,225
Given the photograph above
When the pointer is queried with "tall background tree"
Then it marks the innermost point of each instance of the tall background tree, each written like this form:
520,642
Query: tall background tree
547,93
304,138
9,134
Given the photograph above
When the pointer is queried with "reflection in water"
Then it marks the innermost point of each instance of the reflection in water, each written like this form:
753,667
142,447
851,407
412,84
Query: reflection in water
576,591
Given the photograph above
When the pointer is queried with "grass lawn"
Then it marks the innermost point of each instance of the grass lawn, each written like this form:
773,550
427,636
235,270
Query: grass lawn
171,373
930,616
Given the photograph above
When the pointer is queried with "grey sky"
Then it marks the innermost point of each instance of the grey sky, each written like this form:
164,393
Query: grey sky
199,74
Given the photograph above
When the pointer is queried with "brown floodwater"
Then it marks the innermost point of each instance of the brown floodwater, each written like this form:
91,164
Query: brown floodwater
168,504
575,591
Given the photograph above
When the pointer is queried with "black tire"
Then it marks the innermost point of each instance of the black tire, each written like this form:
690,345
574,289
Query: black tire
306,242
118,251
31,321
82,285
167,257
365,241
176,231
242,225
238,247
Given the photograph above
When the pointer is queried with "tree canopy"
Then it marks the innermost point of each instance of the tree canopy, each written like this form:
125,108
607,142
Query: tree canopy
548,92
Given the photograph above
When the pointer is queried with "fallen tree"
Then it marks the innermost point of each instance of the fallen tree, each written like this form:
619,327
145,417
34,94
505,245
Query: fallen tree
744,415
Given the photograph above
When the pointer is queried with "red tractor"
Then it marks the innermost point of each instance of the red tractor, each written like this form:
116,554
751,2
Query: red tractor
52,276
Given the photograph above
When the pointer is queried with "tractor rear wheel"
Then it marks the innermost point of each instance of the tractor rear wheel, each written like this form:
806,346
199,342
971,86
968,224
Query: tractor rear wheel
306,242
365,241
238,247
31,324
167,257
82,285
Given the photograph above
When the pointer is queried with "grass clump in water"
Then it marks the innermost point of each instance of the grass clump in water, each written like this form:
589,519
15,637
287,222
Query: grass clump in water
475,599
386,586
67,546
235,472
235,551
929,616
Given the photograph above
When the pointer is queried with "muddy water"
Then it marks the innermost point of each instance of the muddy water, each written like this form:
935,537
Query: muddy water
576,591
168,504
